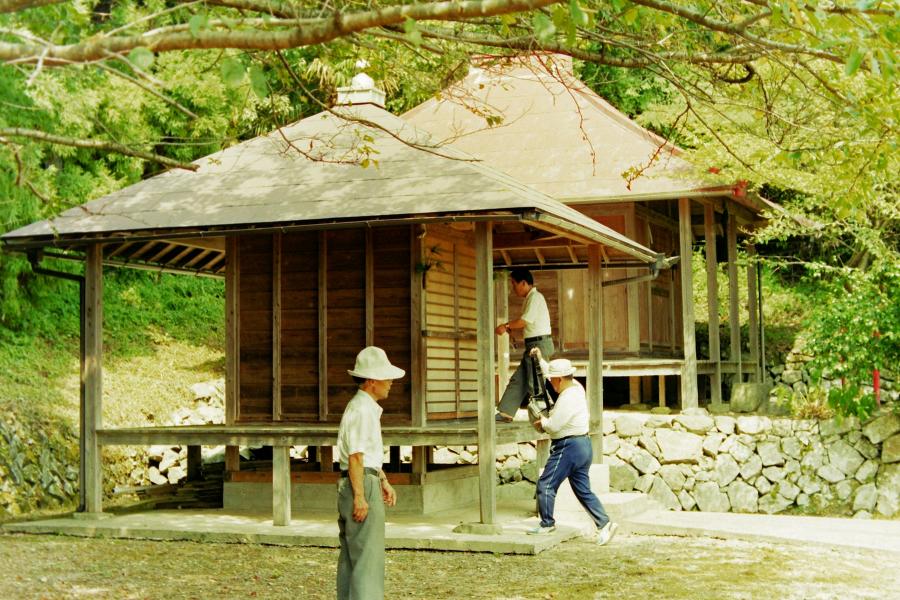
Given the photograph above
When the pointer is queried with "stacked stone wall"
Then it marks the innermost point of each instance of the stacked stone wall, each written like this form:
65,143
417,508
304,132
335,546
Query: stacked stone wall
746,463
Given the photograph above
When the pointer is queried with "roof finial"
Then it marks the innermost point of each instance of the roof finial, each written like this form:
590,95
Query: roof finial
362,89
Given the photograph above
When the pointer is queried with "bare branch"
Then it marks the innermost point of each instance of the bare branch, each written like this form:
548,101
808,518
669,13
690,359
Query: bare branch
42,136
323,30
9,6
530,44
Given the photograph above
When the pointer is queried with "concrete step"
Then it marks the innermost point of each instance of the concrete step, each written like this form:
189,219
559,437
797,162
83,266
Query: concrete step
621,506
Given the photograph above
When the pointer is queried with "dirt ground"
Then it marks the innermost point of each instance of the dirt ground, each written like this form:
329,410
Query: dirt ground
38,566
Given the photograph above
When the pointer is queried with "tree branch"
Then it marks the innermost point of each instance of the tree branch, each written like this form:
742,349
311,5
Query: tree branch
42,136
9,6
318,32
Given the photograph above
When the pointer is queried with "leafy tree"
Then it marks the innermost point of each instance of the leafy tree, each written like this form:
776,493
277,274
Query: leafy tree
856,331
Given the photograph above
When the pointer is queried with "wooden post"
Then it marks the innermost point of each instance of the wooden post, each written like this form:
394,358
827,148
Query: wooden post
93,378
689,369
232,344
501,296
419,464
326,458
417,345
632,293
194,463
734,321
281,485
662,390
753,312
323,325
712,302
276,326
634,389
370,289
595,352
672,302
326,454
484,291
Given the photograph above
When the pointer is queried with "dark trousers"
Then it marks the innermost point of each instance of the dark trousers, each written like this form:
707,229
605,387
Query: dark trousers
569,459
520,384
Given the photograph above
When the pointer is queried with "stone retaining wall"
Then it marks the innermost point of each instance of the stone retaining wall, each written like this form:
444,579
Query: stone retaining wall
750,464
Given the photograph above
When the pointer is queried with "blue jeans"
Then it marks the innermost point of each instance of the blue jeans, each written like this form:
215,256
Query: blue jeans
569,458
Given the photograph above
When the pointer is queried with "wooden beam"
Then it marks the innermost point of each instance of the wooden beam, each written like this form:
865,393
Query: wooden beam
734,320
276,326
487,451
142,250
595,351
753,312
281,485
118,250
93,377
712,303
166,249
323,325
507,259
662,390
200,256
232,344
689,369
416,343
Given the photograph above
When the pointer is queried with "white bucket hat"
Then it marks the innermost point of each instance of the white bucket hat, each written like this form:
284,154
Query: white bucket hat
560,367
373,363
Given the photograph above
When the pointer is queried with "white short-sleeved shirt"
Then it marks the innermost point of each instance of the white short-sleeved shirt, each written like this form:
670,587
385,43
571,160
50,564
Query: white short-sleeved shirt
536,314
360,431
569,416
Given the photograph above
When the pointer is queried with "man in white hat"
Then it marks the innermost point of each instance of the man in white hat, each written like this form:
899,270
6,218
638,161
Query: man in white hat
571,454
363,488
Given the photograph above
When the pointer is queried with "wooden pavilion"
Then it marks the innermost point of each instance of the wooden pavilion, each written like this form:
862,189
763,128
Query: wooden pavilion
559,137
320,258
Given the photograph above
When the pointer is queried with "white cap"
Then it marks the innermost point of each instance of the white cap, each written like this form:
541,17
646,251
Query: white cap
560,367
373,363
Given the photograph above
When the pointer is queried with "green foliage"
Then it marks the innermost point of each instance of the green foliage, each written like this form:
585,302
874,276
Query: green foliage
855,329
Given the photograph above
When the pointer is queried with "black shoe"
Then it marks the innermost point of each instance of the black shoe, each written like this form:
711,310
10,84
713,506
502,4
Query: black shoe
502,418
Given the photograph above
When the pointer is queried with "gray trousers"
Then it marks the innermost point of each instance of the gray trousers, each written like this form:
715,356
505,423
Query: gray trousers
360,571
520,384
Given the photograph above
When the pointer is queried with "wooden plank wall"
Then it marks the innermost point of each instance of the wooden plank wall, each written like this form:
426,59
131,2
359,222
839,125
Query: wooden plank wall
451,387
392,310
255,350
568,309
323,313
300,326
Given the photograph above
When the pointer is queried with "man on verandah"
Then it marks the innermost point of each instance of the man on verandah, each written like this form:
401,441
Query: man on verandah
571,453
363,488
535,321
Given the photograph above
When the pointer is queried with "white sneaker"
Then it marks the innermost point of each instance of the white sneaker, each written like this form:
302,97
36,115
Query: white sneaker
607,533
541,530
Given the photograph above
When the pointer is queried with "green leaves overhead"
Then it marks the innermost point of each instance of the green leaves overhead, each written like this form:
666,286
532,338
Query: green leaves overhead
258,82
141,57
544,29
232,71
854,61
